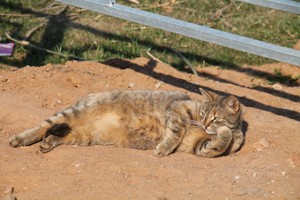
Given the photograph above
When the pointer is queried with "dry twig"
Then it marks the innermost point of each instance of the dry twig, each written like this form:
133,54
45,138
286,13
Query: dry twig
154,58
134,1
220,12
61,10
31,31
186,61
50,6
162,5
26,43
19,15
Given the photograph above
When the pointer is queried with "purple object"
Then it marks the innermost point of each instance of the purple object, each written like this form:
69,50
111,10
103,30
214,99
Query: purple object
6,49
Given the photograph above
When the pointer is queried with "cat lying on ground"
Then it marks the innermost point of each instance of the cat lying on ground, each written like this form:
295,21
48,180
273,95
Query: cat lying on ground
141,119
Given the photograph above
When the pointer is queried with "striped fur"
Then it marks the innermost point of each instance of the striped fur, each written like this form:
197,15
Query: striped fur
159,120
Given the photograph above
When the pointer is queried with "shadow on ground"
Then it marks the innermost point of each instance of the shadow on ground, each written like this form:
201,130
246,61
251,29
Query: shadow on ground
192,87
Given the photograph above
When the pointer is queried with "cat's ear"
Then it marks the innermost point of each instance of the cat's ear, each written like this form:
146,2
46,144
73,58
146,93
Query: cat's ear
208,96
232,104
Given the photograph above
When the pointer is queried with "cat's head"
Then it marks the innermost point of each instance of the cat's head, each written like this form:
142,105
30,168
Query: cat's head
220,111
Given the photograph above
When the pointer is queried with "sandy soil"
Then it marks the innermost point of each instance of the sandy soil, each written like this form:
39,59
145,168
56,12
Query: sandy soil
267,167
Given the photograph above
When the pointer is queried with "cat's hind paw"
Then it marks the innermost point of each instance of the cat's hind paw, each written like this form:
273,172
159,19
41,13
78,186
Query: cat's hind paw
45,147
16,141
50,143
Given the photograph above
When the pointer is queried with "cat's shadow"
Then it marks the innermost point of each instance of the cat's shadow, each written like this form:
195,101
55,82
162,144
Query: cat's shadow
244,127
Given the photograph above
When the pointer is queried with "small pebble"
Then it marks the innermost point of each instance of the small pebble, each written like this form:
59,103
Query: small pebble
131,85
277,86
265,143
261,144
240,192
77,165
157,85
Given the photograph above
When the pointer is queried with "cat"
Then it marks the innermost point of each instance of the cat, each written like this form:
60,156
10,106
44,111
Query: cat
164,121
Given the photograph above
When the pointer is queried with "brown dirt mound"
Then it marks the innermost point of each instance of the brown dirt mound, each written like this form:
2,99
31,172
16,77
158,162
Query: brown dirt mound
266,167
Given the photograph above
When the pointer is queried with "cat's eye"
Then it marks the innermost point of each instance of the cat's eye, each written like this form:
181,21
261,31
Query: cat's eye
203,114
217,119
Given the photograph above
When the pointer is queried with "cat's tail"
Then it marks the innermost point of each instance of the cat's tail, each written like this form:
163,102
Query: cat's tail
55,125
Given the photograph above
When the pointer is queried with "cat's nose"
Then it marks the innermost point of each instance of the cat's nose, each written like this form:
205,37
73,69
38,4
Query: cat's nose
206,125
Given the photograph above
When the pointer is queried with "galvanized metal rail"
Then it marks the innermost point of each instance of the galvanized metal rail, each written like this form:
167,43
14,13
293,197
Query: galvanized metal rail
110,7
284,5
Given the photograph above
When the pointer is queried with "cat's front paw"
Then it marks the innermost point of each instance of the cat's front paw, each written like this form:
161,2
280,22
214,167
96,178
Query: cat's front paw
16,141
161,151
224,131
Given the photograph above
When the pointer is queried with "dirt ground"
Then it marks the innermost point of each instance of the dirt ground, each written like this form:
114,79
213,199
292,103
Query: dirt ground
267,166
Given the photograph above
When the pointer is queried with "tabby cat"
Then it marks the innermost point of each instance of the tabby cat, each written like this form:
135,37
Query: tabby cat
141,119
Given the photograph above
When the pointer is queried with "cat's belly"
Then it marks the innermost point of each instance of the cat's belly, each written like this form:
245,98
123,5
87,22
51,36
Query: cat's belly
139,132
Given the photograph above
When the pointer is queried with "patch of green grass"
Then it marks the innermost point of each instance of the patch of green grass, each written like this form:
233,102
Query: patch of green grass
282,78
97,37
